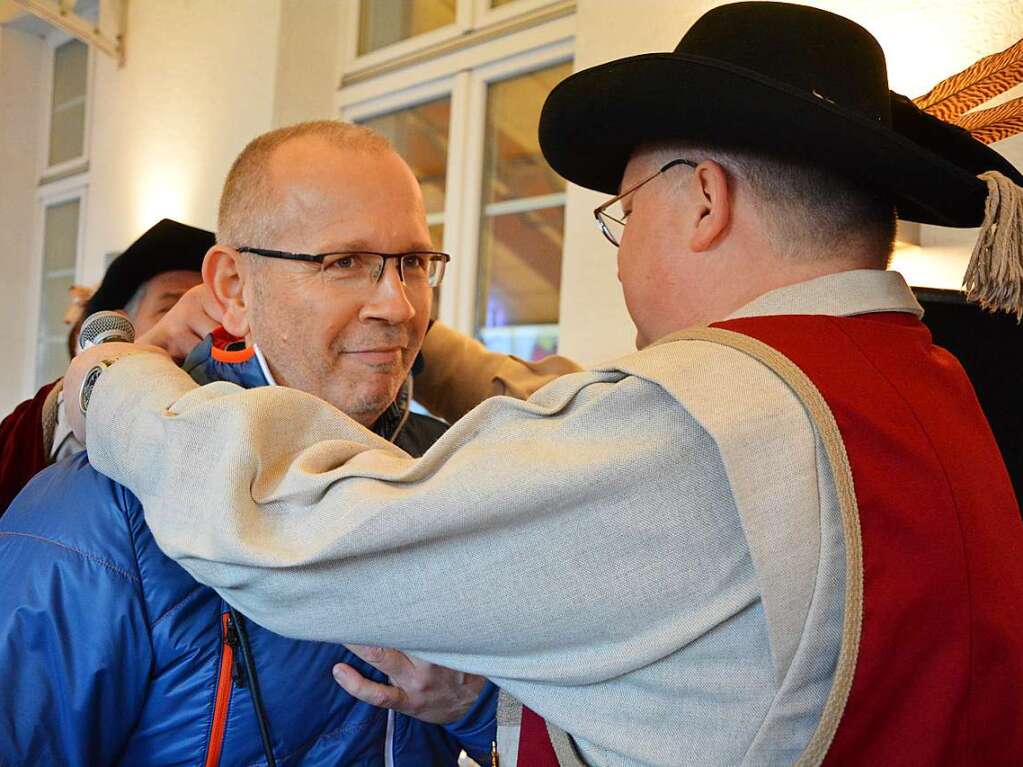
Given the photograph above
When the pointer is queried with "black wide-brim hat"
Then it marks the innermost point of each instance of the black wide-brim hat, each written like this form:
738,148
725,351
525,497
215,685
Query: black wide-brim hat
785,80
168,246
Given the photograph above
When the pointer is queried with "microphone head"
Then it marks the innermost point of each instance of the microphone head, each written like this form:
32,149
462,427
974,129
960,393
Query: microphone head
105,327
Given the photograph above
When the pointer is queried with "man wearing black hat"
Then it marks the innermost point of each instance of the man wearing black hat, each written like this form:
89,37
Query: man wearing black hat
780,532
145,281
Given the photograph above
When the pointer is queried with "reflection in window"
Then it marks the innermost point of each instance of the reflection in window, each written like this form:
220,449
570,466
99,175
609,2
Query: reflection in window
522,224
67,120
60,249
383,22
420,135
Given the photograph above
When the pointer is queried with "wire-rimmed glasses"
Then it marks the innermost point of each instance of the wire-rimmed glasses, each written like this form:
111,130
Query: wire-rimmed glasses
612,223
363,268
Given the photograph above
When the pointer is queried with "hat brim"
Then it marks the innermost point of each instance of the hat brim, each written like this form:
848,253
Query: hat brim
167,246
594,120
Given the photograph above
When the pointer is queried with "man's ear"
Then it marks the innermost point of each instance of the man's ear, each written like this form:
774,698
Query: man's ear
225,272
712,213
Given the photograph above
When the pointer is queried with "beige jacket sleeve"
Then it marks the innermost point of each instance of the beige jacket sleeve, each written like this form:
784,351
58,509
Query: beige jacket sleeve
515,547
460,373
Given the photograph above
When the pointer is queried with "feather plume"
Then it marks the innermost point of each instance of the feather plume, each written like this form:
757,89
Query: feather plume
996,123
989,77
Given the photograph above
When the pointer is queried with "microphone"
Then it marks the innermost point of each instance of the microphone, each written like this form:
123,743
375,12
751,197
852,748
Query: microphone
105,327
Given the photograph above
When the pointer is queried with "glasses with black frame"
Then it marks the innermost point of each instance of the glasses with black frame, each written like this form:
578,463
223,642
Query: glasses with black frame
613,224
365,268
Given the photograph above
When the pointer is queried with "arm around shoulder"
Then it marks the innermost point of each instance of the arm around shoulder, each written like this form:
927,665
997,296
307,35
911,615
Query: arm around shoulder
461,372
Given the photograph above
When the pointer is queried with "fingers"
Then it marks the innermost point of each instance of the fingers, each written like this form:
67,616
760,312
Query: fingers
195,316
210,305
394,663
374,693
181,345
208,312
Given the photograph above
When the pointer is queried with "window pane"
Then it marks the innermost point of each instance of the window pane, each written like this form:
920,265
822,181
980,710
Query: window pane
60,237
52,361
522,223
69,62
383,22
67,121
60,250
513,166
67,134
56,298
420,135
521,283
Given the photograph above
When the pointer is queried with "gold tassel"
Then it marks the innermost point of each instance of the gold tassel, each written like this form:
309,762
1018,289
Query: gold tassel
994,277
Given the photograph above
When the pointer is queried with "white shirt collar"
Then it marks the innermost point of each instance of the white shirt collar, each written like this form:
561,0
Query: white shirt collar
263,366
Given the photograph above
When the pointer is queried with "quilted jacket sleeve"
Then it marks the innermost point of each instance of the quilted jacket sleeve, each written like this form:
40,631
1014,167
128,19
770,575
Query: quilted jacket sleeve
74,638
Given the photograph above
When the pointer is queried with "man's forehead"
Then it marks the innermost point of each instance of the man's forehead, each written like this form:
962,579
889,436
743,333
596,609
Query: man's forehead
315,173
314,156
318,186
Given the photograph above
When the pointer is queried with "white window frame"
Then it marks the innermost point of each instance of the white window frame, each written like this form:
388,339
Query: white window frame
485,16
464,76
54,40
470,16
482,79
353,61
55,193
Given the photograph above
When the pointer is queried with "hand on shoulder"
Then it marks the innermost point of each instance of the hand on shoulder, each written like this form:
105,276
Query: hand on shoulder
88,365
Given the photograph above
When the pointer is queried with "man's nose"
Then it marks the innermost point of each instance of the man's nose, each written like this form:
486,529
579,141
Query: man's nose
388,299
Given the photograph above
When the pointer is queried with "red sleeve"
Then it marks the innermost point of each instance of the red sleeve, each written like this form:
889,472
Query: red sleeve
22,453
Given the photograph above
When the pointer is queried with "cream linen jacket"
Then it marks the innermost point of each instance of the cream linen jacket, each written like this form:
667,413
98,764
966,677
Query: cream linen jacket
648,553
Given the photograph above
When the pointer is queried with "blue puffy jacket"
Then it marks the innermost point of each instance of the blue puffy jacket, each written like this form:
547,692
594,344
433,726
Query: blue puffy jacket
112,654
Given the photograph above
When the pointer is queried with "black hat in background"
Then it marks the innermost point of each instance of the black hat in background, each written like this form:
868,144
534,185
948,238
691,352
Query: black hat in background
168,246
787,80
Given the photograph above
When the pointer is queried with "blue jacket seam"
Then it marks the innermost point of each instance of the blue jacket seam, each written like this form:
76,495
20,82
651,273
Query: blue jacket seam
84,555
173,608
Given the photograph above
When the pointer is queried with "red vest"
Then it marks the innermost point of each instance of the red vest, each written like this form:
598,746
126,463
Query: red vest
22,452
939,675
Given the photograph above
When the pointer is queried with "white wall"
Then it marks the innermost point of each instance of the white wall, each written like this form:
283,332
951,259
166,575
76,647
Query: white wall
308,64
197,86
924,41
22,66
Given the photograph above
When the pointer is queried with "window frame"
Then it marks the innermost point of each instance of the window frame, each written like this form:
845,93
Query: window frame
465,77
484,16
470,16
54,193
54,39
355,62
472,203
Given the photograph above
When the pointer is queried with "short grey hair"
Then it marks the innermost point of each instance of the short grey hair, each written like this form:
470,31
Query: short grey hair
132,307
811,212
246,215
